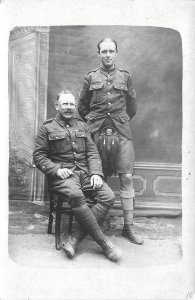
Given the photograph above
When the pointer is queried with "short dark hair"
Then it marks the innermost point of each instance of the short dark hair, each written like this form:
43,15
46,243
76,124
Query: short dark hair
107,40
63,92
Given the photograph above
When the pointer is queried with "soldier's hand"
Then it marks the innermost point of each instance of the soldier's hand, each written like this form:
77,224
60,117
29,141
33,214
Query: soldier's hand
132,93
63,173
96,182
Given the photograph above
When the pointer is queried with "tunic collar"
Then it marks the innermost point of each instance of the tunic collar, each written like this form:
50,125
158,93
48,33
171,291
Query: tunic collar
107,72
63,121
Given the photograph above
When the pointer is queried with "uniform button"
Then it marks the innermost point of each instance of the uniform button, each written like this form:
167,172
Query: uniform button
108,114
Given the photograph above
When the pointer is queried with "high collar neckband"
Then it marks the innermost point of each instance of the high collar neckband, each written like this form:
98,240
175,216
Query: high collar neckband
108,71
63,121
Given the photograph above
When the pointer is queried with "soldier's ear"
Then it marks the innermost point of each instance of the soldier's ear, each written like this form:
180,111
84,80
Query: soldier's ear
56,106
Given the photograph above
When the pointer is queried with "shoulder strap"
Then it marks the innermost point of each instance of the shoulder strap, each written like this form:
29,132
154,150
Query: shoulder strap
93,71
48,121
122,70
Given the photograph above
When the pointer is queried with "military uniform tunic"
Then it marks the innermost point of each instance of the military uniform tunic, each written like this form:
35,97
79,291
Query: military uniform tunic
108,95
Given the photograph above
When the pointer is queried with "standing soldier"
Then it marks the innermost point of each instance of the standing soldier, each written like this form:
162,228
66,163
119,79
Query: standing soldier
107,104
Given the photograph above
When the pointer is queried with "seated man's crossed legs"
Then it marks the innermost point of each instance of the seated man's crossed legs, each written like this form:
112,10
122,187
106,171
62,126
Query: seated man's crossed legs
89,219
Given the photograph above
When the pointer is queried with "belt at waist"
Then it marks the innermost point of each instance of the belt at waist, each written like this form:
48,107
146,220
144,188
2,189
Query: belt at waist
108,123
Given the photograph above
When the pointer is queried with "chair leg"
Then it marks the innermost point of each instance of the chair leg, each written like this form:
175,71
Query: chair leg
70,222
49,229
58,223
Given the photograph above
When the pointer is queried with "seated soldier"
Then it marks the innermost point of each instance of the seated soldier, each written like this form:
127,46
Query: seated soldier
65,152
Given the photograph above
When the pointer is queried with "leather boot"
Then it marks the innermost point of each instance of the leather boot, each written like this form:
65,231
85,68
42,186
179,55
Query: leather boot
127,201
130,233
70,246
71,243
112,252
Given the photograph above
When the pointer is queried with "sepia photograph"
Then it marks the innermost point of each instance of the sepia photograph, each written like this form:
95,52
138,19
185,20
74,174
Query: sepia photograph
123,112
99,194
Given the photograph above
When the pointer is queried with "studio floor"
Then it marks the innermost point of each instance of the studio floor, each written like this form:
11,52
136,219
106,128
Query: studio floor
29,243
30,247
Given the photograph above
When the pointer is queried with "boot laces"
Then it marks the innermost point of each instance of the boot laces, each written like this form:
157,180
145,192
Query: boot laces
131,228
71,240
110,246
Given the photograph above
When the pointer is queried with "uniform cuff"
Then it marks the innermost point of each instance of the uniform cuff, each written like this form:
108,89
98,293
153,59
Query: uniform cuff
57,166
97,173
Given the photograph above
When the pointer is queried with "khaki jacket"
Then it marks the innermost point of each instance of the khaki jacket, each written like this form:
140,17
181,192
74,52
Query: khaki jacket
108,95
69,145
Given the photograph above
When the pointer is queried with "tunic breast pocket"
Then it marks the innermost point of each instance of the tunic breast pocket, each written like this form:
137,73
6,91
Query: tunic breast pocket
58,142
120,87
81,140
96,88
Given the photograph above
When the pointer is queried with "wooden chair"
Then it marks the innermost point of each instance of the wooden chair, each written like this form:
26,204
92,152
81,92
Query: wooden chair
59,205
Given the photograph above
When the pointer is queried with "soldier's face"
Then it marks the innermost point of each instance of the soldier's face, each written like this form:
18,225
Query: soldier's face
108,54
66,105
